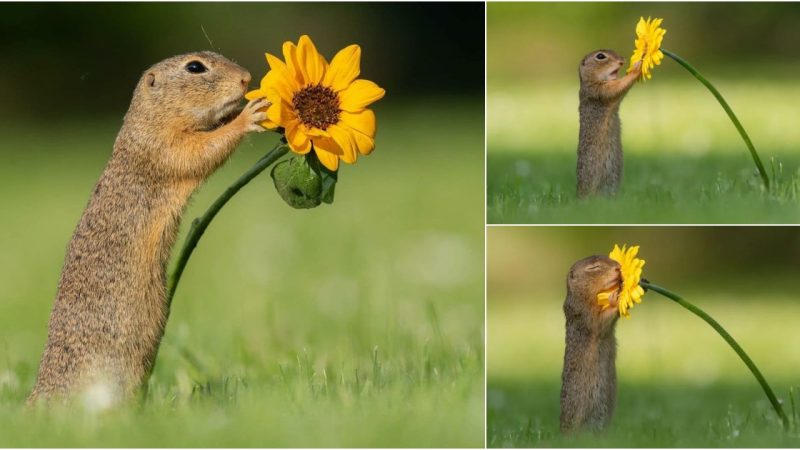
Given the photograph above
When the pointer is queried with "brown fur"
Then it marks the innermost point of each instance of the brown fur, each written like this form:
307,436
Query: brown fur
110,309
599,144
589,379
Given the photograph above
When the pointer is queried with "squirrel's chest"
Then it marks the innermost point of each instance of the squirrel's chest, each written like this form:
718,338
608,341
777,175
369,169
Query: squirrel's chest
162,228
600,125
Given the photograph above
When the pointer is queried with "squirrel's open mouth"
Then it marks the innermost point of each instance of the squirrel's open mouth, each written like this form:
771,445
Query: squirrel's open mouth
614,74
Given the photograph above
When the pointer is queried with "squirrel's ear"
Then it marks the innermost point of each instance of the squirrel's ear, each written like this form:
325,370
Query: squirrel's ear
150,79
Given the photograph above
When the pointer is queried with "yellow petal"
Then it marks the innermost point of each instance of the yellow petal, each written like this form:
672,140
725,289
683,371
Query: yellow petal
364,144
310,61
345,140
314,132
267,123
329,160
282,82
275,63
359,95
298,142
345,67
280,73
252,95
279,112
274,112
290,55
260,93
363,122
656,23
358,123
328,144
641,27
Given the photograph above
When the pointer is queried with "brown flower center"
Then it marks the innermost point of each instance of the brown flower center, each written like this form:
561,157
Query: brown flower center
317,106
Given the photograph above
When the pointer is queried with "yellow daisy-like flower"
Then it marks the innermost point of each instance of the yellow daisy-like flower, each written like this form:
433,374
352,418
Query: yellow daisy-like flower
630,292
649,35
320,106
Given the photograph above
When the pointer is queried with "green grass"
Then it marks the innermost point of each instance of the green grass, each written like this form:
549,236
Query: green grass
526,415
656,189
356,324
684,160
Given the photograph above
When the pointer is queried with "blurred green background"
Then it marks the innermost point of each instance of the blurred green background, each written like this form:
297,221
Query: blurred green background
680,384
90,56
684,160
356,324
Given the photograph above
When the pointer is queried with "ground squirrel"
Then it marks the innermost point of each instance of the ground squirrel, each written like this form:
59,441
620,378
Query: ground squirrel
110,309
589,379
599,144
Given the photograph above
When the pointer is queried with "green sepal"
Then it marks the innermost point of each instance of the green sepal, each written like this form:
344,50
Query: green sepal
297,183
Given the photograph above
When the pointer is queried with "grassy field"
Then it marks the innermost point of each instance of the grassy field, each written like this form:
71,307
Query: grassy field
356,324
739,419
680,384
684,160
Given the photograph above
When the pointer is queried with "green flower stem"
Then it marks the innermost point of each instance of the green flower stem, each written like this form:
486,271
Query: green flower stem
200,224
730,340
728,110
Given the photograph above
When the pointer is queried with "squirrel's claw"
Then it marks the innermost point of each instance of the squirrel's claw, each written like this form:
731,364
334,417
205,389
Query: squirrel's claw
254,113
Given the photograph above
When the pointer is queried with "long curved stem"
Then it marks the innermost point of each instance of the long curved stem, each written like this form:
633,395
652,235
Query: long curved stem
728,110
200,224
730,340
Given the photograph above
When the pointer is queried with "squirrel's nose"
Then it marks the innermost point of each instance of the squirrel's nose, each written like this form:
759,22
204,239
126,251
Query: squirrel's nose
246,79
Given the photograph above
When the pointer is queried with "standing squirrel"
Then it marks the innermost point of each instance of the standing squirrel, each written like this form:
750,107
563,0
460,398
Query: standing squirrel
599,143
110,310
589,379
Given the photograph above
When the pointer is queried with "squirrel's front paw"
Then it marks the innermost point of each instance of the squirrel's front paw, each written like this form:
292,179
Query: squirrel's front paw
253,116
637,67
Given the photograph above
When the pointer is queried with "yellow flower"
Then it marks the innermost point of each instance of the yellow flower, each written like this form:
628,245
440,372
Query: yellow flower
649,35
630,292
320,106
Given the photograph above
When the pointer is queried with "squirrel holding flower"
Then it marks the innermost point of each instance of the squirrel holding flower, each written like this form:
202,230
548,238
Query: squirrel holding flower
589,377
599,168
110,310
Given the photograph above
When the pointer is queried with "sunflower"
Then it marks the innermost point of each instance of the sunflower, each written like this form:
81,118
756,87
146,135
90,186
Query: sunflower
649,35
320,106
630,292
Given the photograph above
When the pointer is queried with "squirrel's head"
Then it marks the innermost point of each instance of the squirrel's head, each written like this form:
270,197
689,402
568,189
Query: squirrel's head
601,65
198,91
587,278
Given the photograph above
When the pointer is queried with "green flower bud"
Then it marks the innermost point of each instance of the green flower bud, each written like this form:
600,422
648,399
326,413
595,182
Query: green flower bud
298,184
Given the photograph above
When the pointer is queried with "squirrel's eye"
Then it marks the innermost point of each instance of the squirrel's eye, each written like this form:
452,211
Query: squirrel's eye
195,67
600,56
593,268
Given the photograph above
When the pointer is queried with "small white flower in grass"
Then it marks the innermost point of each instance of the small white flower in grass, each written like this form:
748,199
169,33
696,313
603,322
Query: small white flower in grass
99,397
